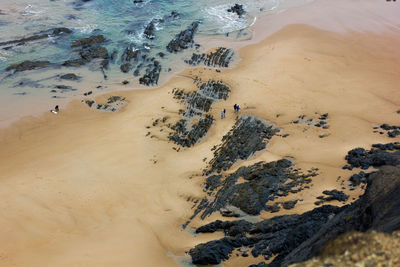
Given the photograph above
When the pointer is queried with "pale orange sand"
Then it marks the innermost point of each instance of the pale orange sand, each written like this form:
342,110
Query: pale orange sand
82,188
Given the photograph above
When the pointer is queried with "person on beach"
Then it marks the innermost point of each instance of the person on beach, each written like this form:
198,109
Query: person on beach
237,108
234,107
224,113
55,110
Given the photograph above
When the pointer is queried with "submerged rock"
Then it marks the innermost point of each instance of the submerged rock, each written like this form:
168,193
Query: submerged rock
69,76
38,36
89,41
28,65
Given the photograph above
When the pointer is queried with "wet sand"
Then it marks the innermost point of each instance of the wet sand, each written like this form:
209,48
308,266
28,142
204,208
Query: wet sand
89,188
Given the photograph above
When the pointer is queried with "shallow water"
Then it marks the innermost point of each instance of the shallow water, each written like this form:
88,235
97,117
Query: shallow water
122,23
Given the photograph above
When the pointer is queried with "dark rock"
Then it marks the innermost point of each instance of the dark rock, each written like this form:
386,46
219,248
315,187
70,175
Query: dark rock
357,179
89,103
289,204
378,209
183,40
69,76
249,135
261,182
186,133
38,36
149,30
89,41
279,235
238,9
272,208
332,195
125,67
359,157
188,138
219,58
28,65
75,62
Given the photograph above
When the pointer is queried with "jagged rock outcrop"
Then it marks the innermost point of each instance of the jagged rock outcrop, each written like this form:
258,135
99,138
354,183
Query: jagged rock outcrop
42,35
28,65
279,235
221,57
249,135
296,238
89,49
379,155
186,132
184,39
259,183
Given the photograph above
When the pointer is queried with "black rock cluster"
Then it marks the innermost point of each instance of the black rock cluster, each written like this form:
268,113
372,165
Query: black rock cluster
221,57
238,9
195,123
184,39
261,182
249,135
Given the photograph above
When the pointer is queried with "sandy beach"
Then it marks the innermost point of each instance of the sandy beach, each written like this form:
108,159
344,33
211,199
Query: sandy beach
92,188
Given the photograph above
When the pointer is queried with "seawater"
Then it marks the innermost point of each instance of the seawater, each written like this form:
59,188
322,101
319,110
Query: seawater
122,22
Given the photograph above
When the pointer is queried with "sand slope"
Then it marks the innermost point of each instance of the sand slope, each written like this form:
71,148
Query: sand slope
87,188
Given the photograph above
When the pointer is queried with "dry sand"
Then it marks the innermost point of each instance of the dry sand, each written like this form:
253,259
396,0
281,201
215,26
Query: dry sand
88,188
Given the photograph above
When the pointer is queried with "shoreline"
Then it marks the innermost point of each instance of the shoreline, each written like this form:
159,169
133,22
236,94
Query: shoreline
136,199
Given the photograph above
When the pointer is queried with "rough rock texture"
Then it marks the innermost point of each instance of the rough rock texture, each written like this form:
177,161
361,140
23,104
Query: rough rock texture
184,39
42,35
248,135
238,9
69,76
359,249
221,57
28,65
89,49
332,195
114,104
89,41
280,234
321,121
250,188
195,123
391,131
296,238
152,74
378,209
379,155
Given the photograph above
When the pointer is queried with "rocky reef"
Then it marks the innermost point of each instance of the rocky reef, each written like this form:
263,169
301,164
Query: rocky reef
195,121
184,39
221,57
249,135
250,188
88,49
28,65
295,238
38,36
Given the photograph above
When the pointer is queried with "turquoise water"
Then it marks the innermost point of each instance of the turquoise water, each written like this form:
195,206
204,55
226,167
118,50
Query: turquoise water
122,22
